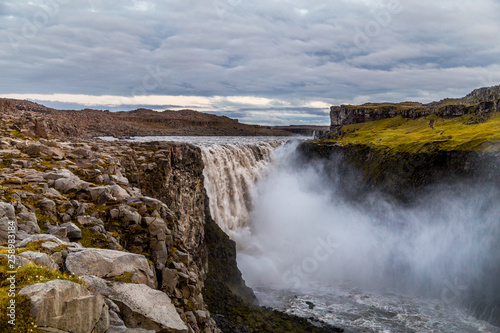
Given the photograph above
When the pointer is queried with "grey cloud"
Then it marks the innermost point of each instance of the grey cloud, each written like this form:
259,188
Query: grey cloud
306,50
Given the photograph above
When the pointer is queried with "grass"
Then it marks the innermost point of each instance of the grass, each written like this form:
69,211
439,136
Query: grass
25,276
425,134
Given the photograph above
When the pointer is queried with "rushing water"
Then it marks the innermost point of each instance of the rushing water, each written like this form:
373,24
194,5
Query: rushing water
375,267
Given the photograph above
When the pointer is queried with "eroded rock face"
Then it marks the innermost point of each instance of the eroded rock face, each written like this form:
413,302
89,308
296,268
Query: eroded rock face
109,264
185,196
67,306
141,306
477,102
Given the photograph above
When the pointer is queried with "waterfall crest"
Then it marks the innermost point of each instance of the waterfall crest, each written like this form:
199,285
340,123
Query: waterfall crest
231,171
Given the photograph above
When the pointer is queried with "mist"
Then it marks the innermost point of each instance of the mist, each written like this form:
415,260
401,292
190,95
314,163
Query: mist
305,232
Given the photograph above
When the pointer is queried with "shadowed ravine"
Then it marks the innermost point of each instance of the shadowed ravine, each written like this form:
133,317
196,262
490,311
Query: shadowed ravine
367,264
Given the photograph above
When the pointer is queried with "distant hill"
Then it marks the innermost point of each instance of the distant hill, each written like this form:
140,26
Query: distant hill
44,121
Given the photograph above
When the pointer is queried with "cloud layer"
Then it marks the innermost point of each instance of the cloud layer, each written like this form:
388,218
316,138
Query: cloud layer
261,61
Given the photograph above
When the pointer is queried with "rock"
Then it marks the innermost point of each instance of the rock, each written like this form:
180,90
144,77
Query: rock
140,305
102,194
67,185
18,260
83,220
7,210
46,237
59,232
170,279
202,316
119,179
7,221
35,150
49,246
73,232
41,259
129,215
184,257
66,306
28,222
110,263
48,206
61,173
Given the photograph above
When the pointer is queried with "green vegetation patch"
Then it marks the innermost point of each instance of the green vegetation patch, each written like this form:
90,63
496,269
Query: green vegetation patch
24,276
425,134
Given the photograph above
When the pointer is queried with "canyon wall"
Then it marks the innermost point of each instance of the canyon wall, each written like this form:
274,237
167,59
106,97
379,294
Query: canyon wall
478,102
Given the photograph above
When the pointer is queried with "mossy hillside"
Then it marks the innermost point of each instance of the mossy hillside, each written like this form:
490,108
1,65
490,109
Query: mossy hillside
425,134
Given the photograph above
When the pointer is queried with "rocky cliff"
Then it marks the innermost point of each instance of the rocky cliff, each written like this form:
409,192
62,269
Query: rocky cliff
479,102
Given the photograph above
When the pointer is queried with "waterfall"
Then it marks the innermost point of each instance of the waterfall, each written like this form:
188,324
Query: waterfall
231,171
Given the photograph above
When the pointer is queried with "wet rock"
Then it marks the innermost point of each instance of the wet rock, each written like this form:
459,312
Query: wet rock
66,306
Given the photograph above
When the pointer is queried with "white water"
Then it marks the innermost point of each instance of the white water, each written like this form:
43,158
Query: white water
370,267
231,172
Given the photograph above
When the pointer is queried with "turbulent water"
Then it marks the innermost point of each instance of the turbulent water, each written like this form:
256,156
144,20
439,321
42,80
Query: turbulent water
231,172
373,266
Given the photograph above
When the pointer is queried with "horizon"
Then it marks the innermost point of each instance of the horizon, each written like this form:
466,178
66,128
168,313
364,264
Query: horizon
264,63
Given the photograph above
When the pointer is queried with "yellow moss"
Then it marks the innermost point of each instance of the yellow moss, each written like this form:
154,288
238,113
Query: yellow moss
24,276
426,134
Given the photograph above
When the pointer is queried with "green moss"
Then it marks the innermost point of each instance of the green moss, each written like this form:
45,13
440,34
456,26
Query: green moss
25,276
125,278
425,134
93,239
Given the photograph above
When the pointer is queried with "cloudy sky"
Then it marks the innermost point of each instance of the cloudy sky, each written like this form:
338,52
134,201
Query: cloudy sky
265,62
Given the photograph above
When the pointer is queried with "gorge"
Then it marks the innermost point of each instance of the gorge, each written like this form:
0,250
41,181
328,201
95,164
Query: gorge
391,223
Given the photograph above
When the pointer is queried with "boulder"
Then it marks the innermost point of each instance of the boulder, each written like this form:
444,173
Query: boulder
110,263
129,215
66,306
83,220
18,260
48,206
102,194
68,229
7,210
46,237
28,222
35,150
68,185
140,305
41,259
